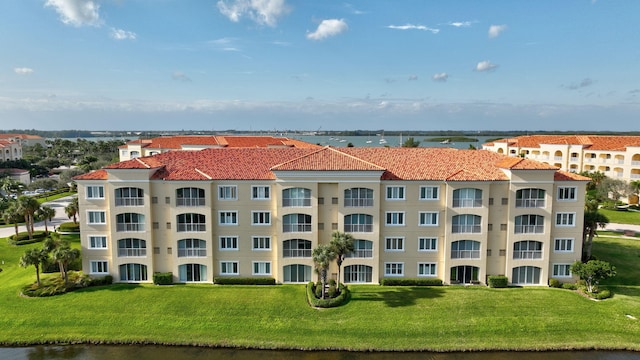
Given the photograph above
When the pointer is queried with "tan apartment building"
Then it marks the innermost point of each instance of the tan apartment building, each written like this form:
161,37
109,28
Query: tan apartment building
456,215
159,145
10,150
617,157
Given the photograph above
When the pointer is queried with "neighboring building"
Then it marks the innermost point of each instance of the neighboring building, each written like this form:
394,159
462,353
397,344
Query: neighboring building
159,145
10,150
24,139
17,174
617,157
457,215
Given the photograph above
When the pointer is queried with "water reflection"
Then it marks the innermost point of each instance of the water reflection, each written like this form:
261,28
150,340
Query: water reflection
87,352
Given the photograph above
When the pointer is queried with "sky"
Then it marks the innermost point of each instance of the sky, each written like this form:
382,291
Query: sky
308,65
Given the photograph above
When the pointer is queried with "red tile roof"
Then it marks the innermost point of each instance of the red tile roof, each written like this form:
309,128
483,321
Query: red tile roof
592,142
178,142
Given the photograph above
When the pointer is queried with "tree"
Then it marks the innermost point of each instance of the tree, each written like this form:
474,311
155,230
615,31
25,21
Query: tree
11,215
612,188
27,206
46,213
62,253
593,271
72,210
342,244
596,178
592,220
322,256
411,143
35,257
634,187
11,186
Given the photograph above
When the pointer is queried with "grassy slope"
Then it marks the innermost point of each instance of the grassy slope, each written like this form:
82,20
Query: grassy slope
622,217
389,318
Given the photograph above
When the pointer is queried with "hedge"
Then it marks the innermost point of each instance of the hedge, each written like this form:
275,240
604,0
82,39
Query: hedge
327,303
69,227
410,282
163,278
23,238
497,281
243,281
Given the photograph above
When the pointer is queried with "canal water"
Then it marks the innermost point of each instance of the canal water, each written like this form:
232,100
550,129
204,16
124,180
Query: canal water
138,352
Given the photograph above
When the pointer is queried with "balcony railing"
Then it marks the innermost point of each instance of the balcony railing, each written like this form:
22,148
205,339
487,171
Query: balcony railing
557,158
465,254
130,227
527,254
132,252
358,228
529,229
358,202
192,252
296,202
466,229
467,203
361,253
529,203
296,253
191,227
137,201
296,227
635,162
189,202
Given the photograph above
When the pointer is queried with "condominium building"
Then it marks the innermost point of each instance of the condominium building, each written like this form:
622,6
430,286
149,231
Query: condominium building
10,150
159,145
24,139
456,215
617,157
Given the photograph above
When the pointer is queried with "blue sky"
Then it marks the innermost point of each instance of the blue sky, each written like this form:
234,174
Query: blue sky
305,65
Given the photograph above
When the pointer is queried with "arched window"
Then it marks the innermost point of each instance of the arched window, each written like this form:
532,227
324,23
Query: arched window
466,224
296,197
358,274
465,249
132,222
467,198
192,248
133,272
296,248
358,223
132,247
464,274
527,249
358,197
190,196
529,224
361,249
525,275
191,222
296,223
529,198
297,273
192,273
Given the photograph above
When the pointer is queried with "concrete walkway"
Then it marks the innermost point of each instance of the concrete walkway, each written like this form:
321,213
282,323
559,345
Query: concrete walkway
622,227
60,217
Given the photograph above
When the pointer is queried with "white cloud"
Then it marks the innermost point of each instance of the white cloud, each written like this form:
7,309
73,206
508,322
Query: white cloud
582,84
495,30
23,71
328,28
440,77
485,66
120,34
180,76
413,77
263,12
413,27
77,12
460,23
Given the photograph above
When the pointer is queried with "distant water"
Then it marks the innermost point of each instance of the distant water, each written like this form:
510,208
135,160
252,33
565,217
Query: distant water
392,141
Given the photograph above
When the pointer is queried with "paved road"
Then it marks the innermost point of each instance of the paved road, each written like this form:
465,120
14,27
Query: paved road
621,227
60,217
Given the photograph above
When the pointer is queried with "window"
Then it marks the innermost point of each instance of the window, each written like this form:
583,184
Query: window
260,218
358,274
395,218
464,274
296,248
395,192
527,249
192,248
297,273
98,267
260,192
261,243
228,218
561,270
228,243
190,196
358,197
134,154
467,197
296,223
394,244
427,244
465,249
261,268
427,269
296,197
530,198
565,219
133,272
129,196
191,222
130,222
566,193
361,249
229,268
97,242
428,218
96,217
525,275
132,248
394,269
429,193
192,273
358,223
227,192
529,224
95,192
563,245
466,224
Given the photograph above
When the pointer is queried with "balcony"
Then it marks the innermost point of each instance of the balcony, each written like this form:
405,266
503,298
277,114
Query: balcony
192,252
465,254
129,201
466,229
529,229
132,252
296,228
527,254
133,227
358,202
189,202
191,227
296,253
360,253
358,228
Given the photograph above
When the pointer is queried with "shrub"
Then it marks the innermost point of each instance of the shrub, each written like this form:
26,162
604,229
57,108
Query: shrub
498,281
56,286
554,283
317,290
23,238
327,303
332,291
69,227
51,266
569,286
99,281
410,282
332,282
244,281
163,278
600,295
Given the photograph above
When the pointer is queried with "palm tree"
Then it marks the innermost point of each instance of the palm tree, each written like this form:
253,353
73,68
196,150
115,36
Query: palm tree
46,213
635,187
342,244
35,257
322,256
72,210
28,206
592,220
11,215
411,143
63,254
11,186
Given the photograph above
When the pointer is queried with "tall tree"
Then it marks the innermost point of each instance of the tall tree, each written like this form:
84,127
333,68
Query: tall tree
11,186
342,244
63,254
11,215
46,213
322,257
35,257
28,206
593,271
593,220
72,210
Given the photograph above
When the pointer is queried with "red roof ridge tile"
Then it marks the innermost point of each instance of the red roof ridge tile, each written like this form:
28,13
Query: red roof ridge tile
203,173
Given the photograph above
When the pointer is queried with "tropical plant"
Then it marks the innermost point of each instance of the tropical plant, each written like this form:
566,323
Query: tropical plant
11,215
411,143
72,210
592,272
27,206
63,254
322,257
35,257
46,213
342,244
593,219
11,186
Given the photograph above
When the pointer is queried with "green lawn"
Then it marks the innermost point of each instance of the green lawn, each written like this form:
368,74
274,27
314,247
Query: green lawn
622,217
381,318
